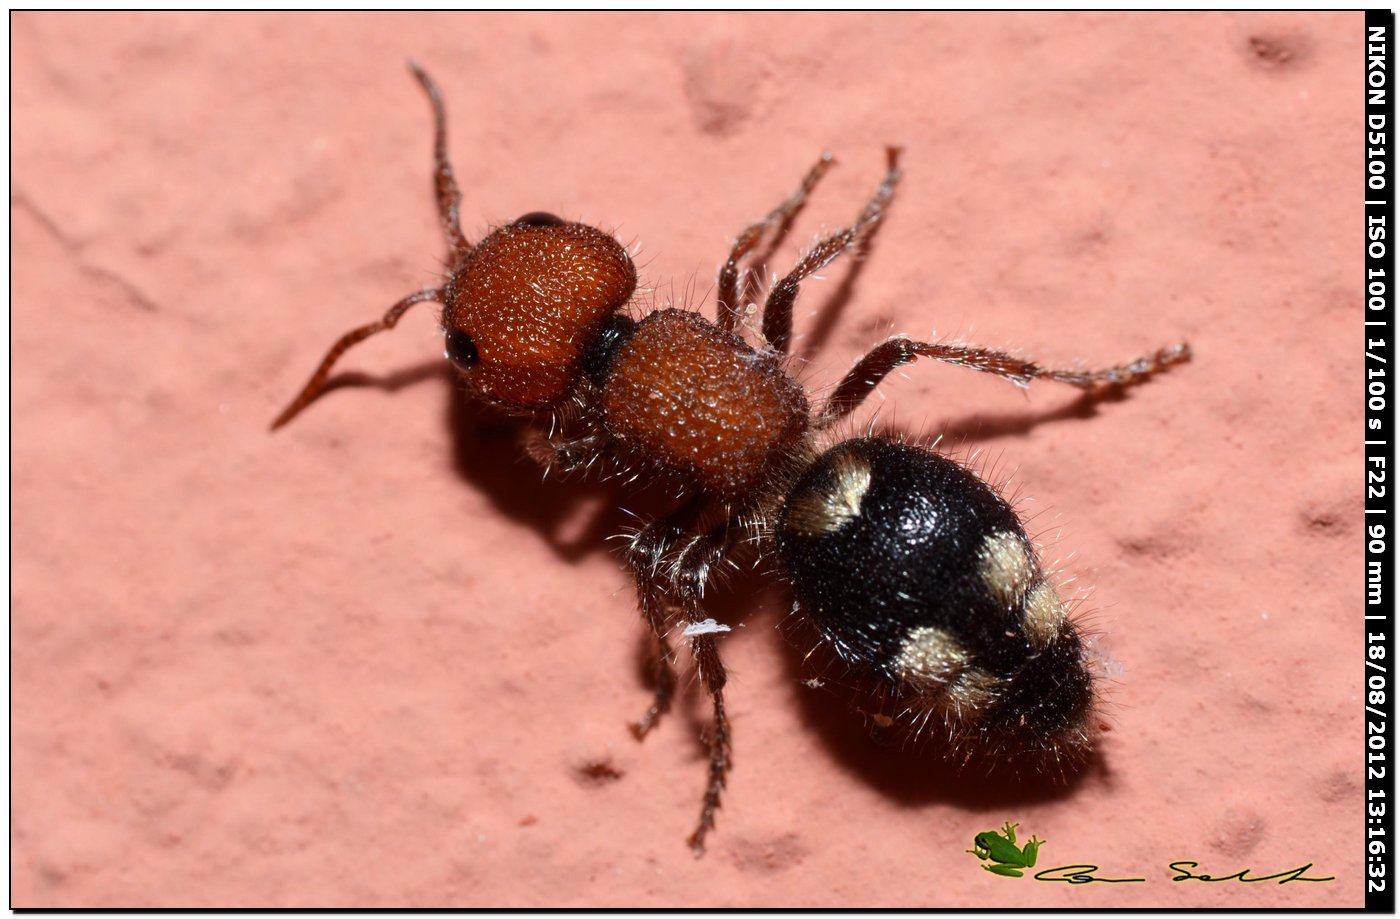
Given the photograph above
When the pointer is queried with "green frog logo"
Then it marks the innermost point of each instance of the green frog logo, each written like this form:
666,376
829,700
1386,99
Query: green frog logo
1000,849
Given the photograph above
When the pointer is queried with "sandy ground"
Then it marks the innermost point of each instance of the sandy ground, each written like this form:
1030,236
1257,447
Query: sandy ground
371,660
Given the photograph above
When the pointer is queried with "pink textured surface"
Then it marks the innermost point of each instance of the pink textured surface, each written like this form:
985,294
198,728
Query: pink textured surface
370,660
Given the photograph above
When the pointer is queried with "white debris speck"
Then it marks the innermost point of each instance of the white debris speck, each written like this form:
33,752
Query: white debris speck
708,627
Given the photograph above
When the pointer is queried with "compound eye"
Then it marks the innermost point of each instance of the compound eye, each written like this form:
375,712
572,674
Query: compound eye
461,350
538,219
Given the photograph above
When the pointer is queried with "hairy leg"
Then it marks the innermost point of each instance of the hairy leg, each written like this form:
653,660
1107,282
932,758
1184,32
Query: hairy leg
727,297
645,555
862,379
693,564
712,673
777,309
565,455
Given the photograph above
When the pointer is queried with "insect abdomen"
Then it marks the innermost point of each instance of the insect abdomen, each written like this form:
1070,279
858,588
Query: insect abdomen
920,576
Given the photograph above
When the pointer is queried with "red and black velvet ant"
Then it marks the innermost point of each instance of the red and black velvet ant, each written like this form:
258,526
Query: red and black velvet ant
916,574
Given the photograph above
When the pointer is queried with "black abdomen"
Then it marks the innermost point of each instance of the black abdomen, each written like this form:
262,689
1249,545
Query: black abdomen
920,576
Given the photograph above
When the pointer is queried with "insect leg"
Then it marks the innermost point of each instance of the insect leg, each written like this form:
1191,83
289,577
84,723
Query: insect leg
861,379
692,571
781,217
645,554
777,309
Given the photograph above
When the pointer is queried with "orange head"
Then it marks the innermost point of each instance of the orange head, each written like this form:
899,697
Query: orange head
526,304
